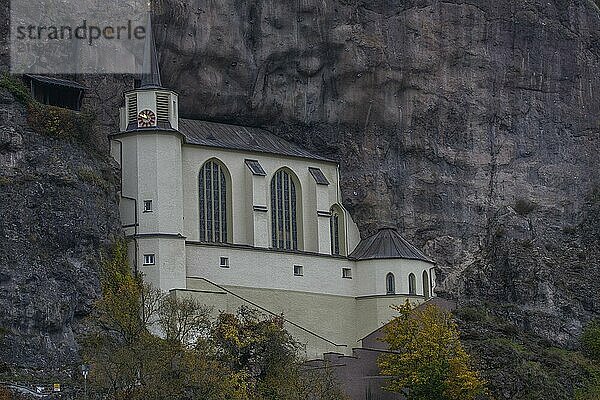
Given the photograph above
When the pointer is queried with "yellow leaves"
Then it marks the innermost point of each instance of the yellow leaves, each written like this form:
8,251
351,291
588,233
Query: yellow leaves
429,360
5,394
242,356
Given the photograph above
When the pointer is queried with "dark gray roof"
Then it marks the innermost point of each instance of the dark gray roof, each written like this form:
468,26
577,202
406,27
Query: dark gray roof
240,138
55,81
387,243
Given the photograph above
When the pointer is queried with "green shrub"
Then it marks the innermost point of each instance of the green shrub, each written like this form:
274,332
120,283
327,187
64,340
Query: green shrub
93,178
59,122
472,314
590,340
49,120
591,391
16,87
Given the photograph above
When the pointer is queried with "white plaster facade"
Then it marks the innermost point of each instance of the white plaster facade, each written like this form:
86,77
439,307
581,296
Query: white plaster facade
323,308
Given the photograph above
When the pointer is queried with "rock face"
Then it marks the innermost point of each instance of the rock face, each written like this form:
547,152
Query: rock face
471,126
58,213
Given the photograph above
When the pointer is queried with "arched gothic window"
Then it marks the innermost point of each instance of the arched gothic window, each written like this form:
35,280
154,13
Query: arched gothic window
284,223
213,192
426,285
412,284
334,229
390,284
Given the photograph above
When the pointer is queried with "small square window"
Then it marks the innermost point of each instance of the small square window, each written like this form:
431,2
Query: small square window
149,259
347,273
147,206
224,262
298,270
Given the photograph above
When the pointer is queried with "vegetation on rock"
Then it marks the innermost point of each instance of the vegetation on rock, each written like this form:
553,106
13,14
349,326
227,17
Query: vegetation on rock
49,120
427,359
590,340
520,365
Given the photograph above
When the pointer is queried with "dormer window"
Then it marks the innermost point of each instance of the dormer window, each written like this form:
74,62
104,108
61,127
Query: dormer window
255,167
318,175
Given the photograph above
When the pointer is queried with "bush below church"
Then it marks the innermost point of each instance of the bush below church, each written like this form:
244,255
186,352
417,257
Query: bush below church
237,356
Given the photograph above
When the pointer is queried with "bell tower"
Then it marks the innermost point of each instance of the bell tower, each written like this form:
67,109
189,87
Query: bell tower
150,105
148,148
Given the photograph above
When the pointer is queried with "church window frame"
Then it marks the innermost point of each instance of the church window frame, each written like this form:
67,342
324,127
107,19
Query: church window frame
214,202
149,259
390,283
347,273
426,285
224,262
148,206
337,231
286,212
298,270
412,284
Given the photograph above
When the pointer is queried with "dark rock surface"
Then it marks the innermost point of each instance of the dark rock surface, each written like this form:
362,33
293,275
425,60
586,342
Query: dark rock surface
58,213
452,120
472,126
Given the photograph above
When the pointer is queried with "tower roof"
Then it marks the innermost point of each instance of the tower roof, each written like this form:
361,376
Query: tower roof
150,68
387,243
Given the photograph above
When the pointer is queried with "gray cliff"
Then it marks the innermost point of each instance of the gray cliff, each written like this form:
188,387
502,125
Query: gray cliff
472,126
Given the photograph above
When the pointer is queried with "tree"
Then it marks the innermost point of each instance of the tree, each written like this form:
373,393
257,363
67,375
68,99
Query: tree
129,362
259,347
5,394
590,343
242,356
427,359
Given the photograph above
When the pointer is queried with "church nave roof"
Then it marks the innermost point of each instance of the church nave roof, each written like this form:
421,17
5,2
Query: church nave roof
242,138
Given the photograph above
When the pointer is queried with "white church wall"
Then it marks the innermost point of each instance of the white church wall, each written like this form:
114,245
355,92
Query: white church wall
352,233
375,311
124,151
242,210
257,268
160,180
193,159
371,275
321,322
168,271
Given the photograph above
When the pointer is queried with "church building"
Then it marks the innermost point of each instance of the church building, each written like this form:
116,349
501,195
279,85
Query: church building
234,215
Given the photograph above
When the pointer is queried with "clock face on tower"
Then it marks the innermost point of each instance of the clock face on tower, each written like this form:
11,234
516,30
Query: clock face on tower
146,118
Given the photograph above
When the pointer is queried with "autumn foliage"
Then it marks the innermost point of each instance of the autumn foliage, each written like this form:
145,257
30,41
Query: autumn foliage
427,359
150,345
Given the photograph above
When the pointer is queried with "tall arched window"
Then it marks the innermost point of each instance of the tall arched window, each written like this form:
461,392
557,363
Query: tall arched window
284,223
425,284
412,284
336,230
213,192
390,284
